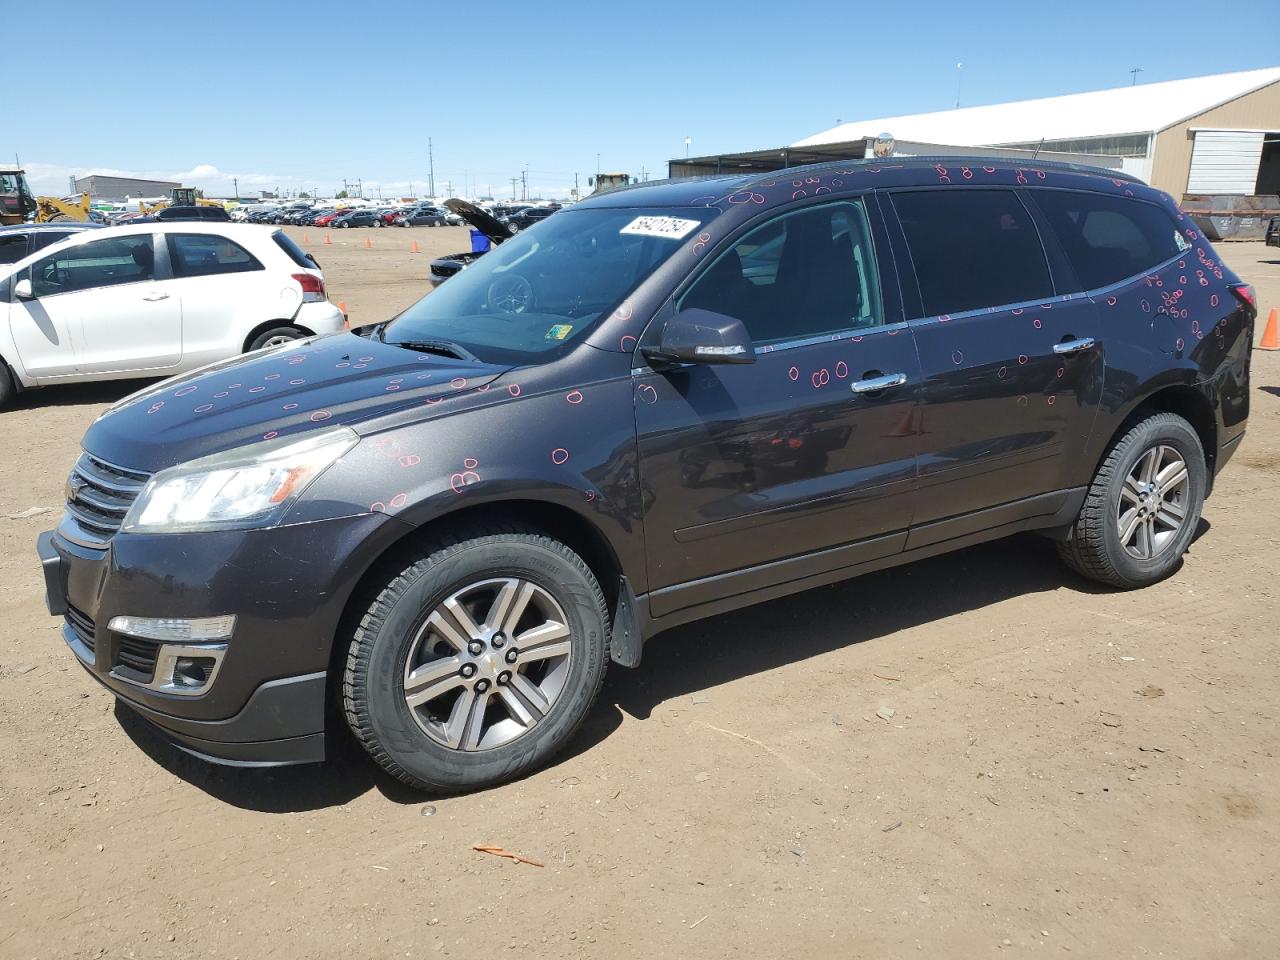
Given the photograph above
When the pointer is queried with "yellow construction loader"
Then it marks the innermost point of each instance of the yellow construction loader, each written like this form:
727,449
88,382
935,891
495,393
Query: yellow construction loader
17,203
179,197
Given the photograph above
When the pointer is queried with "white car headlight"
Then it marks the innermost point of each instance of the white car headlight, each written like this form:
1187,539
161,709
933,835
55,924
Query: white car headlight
247,487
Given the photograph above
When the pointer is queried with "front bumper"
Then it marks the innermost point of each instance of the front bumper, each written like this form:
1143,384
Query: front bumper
288,588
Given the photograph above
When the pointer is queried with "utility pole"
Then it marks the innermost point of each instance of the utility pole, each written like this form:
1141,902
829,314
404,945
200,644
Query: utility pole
431,169
959,67
236,182
575,186
513,187
524,184
1135,71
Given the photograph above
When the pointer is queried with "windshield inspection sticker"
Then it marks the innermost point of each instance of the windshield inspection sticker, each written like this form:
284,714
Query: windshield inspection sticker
672,228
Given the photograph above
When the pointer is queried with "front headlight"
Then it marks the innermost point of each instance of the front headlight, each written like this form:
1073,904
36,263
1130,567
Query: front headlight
247,487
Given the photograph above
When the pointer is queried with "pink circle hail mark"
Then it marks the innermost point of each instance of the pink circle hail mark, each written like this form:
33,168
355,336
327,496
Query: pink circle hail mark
290,406
1022,401
627,346
398,500
559,455
377,507
297,382
624,311
272,376
203,408
1213,299
944,318
256,389
649,393
1022,359
514,389
220,395
1061,371
591,495
185,391
1179,345
410,460
156,407
458,383
271,435
1050,399
470,463
391,388
794,373
365,359
1036,323
1002,373
339,366
574,397
459,480
842,370
320,415
957,357
1111,301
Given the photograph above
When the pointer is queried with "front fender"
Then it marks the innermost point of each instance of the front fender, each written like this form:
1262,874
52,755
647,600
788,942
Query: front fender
574,449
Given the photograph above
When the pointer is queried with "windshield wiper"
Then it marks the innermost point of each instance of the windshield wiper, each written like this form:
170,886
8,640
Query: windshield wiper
446,348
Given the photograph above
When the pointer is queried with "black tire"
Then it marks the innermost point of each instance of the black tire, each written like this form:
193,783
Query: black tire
373,684
7,389
1093,548
284,331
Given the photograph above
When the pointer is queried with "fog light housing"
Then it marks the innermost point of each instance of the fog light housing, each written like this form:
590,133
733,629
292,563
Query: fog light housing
176,629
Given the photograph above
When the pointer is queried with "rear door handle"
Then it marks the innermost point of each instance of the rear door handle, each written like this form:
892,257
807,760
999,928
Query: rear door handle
1074,346
876,384
152,297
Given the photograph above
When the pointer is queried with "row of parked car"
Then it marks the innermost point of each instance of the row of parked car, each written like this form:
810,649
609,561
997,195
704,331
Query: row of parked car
305,216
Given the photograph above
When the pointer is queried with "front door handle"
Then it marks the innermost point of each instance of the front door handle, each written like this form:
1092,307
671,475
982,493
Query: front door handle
1074,346
876,384
152,297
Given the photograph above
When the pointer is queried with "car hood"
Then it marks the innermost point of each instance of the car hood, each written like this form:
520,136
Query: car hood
308,385
491,228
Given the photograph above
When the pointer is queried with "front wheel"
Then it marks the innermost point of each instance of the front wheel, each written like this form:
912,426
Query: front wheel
1143,506
477,662
7,389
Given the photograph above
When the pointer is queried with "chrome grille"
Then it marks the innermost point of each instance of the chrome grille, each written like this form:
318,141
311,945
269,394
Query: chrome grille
99,495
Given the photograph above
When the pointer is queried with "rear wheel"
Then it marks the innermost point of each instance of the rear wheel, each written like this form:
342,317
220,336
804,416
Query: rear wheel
276,337
1142,507
477,662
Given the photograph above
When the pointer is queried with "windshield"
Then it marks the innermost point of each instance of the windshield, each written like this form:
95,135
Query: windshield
531,297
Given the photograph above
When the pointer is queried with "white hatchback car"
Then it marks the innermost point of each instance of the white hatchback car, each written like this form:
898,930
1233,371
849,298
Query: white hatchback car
155,299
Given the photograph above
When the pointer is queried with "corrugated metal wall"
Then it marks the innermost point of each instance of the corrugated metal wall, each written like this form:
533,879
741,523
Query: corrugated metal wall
1171,164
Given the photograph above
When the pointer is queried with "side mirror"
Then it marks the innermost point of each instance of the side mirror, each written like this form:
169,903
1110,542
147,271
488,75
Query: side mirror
703,336
22,289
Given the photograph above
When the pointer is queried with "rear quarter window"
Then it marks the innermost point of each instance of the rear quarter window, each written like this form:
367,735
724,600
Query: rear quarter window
1106,238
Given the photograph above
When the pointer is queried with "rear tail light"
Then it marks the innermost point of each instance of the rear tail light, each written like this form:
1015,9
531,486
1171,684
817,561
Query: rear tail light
312,287
1246,294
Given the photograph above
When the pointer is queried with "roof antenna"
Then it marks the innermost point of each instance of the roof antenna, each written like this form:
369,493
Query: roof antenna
1135,71
1038,146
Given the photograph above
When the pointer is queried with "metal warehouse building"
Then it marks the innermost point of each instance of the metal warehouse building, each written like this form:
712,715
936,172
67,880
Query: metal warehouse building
122,188
1216,135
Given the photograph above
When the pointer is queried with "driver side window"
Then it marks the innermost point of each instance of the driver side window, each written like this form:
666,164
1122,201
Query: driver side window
98,263
804,274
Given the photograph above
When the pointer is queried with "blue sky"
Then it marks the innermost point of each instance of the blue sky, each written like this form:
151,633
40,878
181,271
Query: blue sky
303,95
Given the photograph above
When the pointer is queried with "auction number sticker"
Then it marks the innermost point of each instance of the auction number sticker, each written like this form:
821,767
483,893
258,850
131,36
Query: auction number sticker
672,228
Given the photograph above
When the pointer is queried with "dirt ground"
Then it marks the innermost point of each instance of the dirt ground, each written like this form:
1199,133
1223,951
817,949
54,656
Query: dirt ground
1066,770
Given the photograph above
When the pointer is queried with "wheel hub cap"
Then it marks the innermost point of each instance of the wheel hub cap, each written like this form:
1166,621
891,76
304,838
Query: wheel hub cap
1152,507
487,664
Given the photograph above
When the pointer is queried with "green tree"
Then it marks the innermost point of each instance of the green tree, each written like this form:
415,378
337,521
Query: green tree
304,195
340,195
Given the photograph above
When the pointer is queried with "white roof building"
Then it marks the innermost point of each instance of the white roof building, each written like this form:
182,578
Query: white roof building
1204,135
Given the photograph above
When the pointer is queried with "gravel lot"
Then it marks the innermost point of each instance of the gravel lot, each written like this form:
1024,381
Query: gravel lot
1065,770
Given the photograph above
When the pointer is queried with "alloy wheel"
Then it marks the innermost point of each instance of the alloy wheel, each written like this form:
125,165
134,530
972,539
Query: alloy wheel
488,664
1152,506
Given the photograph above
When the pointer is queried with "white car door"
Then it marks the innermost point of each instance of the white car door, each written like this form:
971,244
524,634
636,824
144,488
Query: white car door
127,321
226,291
41,331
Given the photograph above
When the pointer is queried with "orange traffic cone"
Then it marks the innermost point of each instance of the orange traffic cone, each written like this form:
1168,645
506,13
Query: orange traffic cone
326,237
1271,335
368,243
342,307
414,248
305,238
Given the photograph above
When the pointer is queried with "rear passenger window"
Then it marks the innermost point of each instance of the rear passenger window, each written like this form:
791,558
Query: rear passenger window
972,249
207,254
802,275
1109,238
